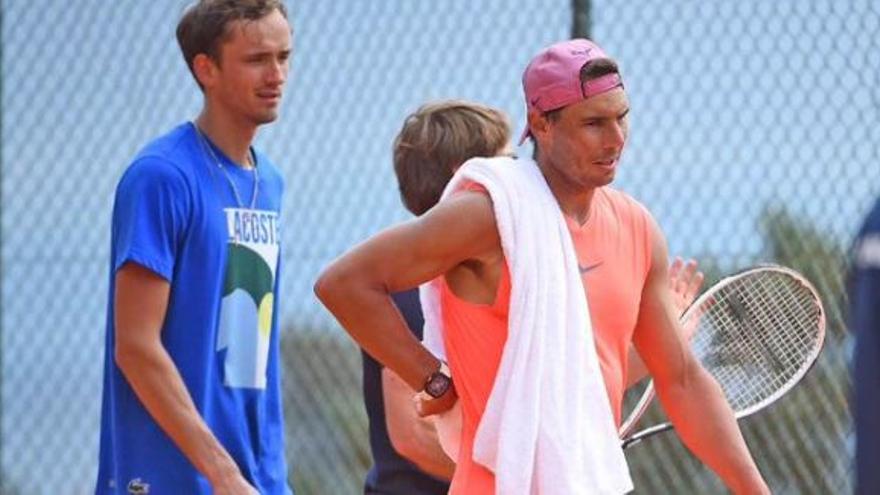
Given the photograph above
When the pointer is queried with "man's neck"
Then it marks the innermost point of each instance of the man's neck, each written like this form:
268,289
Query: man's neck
234,140
574,199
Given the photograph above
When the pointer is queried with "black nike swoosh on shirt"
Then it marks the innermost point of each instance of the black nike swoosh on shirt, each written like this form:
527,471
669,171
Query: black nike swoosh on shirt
585,269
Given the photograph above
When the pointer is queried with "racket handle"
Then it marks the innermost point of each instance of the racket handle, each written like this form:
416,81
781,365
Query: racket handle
647,432
629,442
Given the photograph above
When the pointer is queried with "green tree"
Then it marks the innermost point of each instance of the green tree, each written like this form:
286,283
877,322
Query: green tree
326,437
797,244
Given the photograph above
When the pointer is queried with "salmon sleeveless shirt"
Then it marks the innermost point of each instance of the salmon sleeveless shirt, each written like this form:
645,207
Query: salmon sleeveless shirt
613,249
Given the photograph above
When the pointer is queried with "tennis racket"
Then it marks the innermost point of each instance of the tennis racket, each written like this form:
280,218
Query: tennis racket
758,332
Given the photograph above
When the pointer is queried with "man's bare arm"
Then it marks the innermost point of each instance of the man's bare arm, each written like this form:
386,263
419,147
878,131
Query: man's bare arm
140,304
356,287
412,437
690,396
684,282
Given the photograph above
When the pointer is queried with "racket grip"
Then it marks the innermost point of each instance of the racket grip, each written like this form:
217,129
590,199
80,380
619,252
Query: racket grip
629,442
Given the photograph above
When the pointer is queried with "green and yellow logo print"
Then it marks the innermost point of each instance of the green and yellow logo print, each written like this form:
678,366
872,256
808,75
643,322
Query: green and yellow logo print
248,305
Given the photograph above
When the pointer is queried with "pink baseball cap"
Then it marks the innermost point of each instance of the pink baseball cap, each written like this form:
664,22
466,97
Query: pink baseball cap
552,79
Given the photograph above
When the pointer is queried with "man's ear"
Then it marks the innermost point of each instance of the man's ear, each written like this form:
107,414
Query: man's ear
539,125
205,69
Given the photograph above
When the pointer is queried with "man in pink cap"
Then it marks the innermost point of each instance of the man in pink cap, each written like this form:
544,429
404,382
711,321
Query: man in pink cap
499,302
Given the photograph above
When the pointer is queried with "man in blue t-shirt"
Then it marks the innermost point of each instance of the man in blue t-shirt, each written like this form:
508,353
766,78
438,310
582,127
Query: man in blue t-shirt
865,321
191,399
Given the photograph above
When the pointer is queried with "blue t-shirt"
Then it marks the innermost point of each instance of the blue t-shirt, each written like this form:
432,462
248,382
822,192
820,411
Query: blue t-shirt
176,214
391,474
865,322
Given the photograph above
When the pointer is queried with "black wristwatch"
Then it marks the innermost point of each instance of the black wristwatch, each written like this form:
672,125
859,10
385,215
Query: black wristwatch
438,383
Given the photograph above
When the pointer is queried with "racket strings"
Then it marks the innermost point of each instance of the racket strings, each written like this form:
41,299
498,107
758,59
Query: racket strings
756,335
756,364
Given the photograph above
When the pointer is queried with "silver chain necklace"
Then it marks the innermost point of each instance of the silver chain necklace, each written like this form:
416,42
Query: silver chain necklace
209,150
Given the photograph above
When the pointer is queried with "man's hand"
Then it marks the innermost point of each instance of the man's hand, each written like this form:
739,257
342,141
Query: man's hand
435,406
412,437
685,281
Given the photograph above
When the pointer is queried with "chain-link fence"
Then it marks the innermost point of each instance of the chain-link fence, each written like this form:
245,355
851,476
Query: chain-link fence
754,132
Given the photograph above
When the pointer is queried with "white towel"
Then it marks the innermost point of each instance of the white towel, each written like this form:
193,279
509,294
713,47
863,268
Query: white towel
548,427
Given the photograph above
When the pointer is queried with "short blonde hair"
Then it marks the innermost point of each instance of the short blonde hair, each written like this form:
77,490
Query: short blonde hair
436,139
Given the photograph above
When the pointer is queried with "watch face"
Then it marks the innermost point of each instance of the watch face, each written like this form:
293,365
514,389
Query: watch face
437,385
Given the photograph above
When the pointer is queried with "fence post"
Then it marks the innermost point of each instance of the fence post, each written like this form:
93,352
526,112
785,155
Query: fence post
581,19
